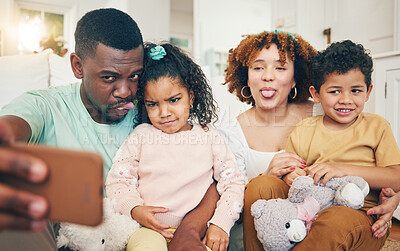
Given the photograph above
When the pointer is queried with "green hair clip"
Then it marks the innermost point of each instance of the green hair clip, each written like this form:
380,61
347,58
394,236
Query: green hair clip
157,53
289,34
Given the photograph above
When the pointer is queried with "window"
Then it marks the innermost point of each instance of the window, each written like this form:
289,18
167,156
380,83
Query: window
39,30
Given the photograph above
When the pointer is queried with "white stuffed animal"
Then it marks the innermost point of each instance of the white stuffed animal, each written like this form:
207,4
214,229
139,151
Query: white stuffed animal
112,234
282,223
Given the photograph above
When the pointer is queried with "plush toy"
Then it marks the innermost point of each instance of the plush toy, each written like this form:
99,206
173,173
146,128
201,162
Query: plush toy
112,234
281,223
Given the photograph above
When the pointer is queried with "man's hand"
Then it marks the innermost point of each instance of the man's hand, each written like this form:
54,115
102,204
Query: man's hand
188,235
388,202
144,215
20,209
216,238
187,240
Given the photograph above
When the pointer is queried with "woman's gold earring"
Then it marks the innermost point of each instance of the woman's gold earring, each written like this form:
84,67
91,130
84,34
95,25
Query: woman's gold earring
295,93
191,106
242,90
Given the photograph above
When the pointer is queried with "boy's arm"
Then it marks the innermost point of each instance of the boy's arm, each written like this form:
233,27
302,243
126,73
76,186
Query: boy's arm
377,177
193,227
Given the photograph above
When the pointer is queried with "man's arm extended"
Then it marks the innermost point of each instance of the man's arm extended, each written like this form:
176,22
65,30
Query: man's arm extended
193,227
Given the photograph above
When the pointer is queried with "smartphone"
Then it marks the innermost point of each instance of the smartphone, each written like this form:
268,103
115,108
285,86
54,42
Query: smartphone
74,187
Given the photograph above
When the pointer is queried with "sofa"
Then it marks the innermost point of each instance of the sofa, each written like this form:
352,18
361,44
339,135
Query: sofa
21,73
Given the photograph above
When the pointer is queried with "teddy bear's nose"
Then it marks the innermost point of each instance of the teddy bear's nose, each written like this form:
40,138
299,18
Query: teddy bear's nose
296,231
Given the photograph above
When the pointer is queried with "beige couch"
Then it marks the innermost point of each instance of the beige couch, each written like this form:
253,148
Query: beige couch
22,73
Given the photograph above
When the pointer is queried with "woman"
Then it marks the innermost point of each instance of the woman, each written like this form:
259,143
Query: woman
270,71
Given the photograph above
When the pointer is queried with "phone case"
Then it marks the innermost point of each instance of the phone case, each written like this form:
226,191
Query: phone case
74,187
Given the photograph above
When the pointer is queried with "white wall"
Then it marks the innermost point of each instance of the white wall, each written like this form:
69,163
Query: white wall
371,23
181,25
152,16
220,24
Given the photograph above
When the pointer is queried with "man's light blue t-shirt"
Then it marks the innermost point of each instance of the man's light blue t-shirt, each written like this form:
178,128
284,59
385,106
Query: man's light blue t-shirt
57,117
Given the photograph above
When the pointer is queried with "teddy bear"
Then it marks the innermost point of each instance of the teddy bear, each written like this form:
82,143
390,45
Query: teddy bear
282,223
112,234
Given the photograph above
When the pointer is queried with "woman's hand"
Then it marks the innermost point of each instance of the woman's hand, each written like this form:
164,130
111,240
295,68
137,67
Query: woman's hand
388,200
144,215
284,163
216,238
289,178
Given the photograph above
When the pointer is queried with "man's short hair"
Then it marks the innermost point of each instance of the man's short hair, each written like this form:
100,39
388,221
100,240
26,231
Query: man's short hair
110,27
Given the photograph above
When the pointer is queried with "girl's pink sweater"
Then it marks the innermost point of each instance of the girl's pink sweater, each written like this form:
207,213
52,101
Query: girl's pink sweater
174,171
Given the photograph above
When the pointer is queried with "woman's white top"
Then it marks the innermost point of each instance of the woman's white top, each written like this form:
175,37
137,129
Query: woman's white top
251,162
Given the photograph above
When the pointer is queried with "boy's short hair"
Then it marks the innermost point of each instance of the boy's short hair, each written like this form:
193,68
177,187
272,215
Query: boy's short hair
341,57
110,27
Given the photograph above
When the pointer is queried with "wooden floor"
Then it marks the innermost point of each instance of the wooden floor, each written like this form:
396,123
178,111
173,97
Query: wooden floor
395,231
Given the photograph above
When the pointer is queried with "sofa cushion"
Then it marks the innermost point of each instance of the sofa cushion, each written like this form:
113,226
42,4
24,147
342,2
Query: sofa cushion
22,73
60,71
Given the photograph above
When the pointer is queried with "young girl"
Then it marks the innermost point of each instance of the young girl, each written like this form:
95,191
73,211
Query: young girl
164,168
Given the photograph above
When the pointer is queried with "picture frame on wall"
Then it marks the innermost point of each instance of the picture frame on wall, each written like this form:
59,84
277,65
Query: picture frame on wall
182,41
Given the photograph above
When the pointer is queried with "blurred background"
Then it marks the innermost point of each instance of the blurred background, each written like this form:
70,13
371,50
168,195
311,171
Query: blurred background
207,29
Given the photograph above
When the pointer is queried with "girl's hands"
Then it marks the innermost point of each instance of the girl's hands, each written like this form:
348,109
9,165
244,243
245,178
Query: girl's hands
289,178
388,202
284,163
326,170
216,238
144,215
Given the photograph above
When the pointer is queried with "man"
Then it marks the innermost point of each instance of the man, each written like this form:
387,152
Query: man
95,115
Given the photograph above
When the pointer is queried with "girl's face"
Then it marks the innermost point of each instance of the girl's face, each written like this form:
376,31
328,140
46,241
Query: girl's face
168,104
270,82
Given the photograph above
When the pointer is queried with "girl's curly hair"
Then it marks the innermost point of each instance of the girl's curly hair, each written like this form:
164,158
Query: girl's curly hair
177,64
293,45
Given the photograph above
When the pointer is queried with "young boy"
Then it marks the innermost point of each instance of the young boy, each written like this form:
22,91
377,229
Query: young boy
346,141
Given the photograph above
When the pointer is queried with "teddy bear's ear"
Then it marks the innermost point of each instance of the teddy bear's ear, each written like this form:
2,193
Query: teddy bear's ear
62,241
257,208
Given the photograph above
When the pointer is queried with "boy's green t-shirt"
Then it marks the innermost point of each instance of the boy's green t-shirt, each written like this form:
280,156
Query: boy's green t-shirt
57,117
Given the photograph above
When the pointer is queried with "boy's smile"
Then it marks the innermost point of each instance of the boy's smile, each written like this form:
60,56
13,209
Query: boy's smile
342,97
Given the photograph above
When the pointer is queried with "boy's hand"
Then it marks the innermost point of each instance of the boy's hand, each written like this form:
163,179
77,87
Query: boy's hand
144,215
326,170
388,201
290,177
216,238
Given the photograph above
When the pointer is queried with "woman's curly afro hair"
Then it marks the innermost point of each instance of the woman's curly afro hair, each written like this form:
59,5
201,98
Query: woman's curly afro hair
177,64
293,45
